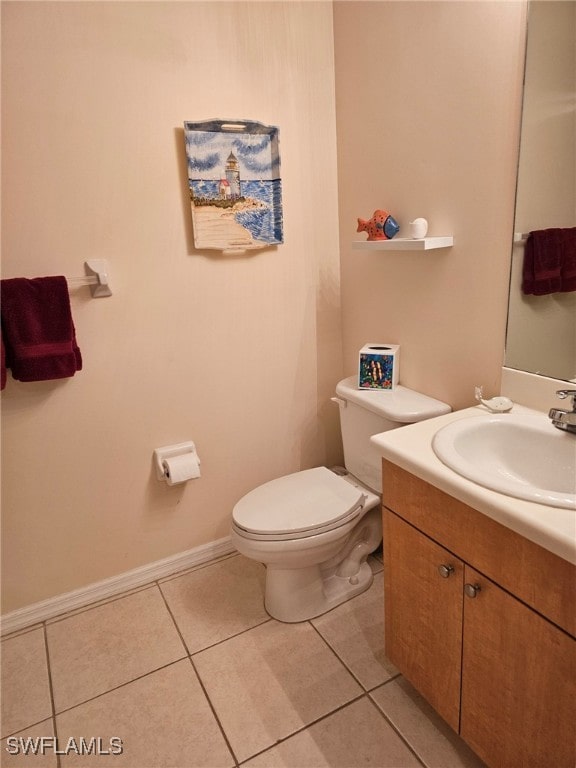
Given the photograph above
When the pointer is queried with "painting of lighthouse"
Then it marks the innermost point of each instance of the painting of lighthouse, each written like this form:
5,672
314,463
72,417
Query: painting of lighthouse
234,183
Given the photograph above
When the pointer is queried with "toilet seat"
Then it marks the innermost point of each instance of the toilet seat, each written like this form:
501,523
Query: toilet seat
298,505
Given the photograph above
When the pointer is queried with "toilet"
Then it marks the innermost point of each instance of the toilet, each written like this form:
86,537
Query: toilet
314,529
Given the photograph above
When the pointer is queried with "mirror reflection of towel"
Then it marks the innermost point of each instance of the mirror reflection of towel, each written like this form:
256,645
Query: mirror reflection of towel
37,329
550,262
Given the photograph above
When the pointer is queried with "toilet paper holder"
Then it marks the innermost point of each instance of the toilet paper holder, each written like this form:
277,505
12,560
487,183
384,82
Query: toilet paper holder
168,451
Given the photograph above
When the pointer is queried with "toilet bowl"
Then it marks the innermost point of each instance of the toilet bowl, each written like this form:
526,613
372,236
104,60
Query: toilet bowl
314,529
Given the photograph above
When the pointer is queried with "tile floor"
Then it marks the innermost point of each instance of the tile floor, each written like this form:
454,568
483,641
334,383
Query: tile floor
190,672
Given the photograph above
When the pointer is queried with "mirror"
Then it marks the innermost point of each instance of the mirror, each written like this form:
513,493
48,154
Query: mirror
541,333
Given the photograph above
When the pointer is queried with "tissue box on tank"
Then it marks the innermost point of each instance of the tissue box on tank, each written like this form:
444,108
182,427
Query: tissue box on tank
378,366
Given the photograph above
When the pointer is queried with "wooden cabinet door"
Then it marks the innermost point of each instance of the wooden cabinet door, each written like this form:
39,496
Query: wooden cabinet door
518,682
423,615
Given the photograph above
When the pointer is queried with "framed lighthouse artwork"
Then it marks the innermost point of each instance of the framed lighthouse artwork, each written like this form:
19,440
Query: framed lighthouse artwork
234,183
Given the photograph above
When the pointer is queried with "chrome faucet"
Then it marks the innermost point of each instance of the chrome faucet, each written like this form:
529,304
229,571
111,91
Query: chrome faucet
565,419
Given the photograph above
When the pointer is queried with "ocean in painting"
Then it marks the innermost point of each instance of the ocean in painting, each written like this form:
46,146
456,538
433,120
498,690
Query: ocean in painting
264,224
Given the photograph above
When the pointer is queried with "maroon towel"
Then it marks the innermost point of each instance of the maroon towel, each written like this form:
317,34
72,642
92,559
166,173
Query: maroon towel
38,329
550,262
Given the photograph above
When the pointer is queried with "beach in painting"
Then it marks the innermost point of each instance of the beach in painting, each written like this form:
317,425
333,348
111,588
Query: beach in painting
220,226
251,221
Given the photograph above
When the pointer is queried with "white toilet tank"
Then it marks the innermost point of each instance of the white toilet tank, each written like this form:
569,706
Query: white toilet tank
364,413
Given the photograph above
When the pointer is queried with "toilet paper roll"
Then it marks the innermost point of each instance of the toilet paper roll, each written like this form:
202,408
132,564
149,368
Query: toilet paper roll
179,469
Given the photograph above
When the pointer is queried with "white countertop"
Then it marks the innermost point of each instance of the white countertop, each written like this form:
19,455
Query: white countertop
410,447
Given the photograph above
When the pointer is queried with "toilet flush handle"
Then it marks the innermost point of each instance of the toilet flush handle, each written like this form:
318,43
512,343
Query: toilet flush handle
339,401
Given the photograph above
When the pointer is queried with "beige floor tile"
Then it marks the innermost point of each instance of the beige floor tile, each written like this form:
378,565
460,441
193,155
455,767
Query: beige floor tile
430,737
163,719
270,681
31,748
355,630
22,631
217,602
97,603
354,736
94,651
25,687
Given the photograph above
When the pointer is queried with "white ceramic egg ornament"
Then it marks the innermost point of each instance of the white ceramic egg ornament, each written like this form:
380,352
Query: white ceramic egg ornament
418,229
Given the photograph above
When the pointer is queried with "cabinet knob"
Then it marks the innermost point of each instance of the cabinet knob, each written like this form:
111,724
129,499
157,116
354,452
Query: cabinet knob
445,570
471,590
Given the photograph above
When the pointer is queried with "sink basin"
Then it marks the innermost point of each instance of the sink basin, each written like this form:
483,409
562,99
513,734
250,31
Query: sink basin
520,455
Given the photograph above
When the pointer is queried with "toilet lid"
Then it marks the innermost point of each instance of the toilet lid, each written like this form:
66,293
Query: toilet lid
303,501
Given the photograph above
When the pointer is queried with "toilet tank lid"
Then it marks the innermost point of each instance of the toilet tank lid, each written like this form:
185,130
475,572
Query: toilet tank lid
401,404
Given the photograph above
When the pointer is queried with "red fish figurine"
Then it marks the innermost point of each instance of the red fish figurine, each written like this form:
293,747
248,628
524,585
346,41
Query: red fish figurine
381,226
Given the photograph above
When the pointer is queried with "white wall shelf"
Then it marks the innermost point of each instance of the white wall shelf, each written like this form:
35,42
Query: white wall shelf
404,244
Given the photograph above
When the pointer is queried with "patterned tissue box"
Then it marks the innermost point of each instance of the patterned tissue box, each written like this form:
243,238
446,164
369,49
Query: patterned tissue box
378,366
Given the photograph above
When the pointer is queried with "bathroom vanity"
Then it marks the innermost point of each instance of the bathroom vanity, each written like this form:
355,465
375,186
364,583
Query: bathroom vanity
480,604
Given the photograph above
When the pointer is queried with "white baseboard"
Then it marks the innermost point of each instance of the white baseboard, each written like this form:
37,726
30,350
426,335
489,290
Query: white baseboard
100,590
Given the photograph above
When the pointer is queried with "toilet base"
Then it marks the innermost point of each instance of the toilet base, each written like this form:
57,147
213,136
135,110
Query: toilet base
303,593
298,594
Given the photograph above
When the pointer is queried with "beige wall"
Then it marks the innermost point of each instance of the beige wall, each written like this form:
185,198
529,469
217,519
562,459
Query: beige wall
428,104
239,354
